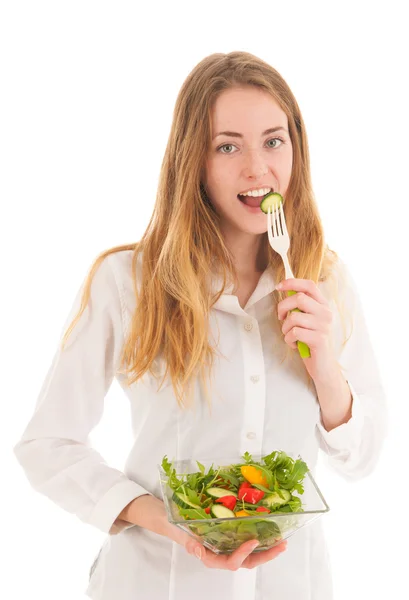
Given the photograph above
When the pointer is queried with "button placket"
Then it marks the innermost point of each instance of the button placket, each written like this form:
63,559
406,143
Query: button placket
254,388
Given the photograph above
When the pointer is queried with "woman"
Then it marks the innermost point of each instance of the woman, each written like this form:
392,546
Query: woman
196,305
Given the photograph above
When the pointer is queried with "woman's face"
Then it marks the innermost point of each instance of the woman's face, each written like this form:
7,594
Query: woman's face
246,156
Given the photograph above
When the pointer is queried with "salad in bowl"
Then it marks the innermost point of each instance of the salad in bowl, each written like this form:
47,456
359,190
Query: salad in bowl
265,498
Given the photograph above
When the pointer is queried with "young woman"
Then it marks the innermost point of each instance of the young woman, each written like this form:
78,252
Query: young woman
200,305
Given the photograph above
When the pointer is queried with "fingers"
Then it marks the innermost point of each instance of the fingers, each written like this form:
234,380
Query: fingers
242,557
301,301
298,319
302,285
195,549
237,558
230,562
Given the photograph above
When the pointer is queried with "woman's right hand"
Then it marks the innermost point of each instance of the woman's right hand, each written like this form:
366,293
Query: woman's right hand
149,512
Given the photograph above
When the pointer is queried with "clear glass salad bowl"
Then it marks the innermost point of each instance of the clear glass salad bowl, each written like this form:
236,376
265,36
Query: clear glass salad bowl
223,535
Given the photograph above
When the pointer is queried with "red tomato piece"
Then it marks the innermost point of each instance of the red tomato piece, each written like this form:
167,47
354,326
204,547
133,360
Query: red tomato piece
242,489
262,509
207,510
227,501
245,484
251,495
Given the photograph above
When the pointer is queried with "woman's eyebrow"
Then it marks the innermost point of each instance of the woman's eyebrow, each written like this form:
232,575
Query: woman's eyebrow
239,135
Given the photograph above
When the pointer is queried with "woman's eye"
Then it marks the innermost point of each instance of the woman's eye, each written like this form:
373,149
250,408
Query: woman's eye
277,142
226,146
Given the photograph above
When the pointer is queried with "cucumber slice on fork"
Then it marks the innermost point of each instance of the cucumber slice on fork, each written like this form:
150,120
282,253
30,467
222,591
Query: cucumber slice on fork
271,200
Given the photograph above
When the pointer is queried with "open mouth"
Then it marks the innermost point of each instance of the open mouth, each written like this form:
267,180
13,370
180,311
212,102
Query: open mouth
253,201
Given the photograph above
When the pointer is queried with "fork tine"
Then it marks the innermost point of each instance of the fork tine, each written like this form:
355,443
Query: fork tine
283,219
270,235
270,225
274,219
277,218
279,232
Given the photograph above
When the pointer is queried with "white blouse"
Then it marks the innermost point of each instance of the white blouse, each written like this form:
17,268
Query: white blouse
258,405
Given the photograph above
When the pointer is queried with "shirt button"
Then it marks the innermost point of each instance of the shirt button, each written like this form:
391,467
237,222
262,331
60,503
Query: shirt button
251,435
248,326
254,378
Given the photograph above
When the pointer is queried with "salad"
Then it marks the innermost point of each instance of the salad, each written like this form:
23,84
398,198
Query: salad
222,498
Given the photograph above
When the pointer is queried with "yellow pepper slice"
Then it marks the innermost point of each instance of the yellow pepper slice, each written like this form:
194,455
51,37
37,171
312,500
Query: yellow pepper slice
242,513
253,475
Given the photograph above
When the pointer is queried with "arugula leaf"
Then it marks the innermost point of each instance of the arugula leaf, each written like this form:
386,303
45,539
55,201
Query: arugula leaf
201,467
298,487
295,504
211,483
192,495
247,457
278,461
173,480
261,487
166,465
192,480
193,513
285,508
290,478
229,478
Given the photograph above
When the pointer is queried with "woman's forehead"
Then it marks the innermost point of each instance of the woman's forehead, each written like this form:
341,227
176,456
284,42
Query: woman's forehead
250,108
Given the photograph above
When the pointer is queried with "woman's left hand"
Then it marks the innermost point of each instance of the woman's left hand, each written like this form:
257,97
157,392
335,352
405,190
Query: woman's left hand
312,326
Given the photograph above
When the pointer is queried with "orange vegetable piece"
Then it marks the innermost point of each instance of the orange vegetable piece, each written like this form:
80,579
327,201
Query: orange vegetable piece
242,513
253,475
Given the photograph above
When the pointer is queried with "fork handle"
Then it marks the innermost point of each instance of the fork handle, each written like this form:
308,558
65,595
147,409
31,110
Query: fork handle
303,349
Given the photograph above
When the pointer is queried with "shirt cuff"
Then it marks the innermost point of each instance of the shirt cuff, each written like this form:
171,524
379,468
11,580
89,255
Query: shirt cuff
348,434
111,505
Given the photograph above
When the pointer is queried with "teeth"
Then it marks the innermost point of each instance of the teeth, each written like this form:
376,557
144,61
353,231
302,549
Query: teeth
256,193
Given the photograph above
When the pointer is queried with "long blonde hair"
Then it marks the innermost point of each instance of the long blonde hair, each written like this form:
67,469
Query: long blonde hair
183,243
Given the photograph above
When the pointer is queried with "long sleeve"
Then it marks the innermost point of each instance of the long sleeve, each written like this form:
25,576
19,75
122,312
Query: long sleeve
354,447
54,450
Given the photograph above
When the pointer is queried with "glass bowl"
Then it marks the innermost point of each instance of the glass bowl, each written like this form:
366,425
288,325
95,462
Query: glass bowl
224,535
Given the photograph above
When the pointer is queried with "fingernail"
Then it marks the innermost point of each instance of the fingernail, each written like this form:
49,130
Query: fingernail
279,286
254,546
198,552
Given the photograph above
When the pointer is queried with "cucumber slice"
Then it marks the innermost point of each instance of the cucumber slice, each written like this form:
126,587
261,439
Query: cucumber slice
183,501
219,493
272,200
285,494
274,498
221,512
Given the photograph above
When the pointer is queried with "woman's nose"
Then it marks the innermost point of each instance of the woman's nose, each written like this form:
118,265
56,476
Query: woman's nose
254,164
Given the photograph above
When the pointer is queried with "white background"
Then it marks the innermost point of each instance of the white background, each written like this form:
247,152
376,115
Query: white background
88,90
